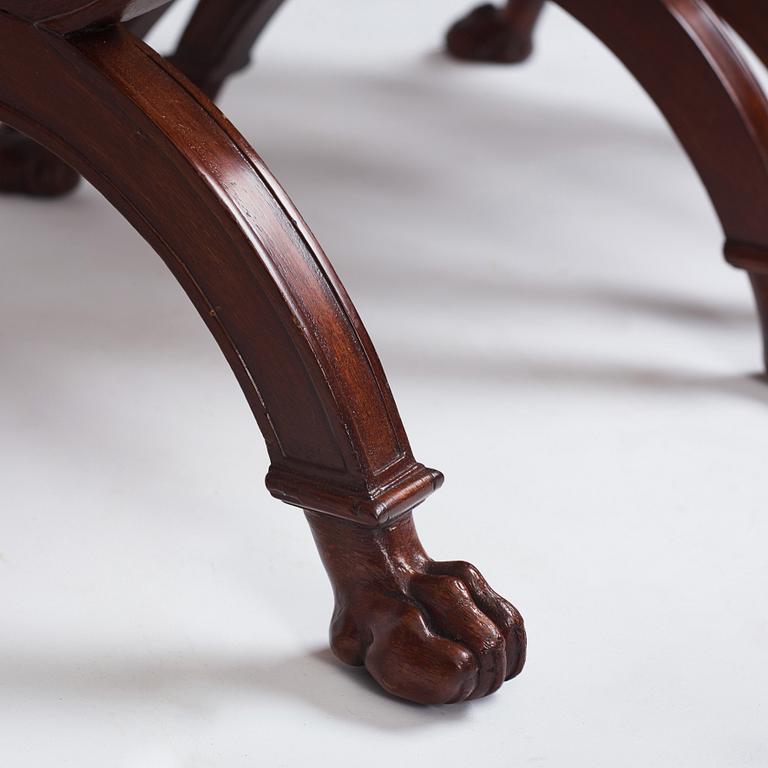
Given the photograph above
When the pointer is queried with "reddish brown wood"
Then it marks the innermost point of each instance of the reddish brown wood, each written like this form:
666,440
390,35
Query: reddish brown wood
504,34
167,159
681,54
216,43
29,169
749,18
25,166
431,632
218,40
493,34
697,78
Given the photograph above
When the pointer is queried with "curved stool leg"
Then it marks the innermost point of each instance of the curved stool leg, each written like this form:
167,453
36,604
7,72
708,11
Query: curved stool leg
218,38
680,53
27,168
500,35
216,43
187,181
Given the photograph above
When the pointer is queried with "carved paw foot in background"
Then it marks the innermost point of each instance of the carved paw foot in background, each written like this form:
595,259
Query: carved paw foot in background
26,168
487,34
427,631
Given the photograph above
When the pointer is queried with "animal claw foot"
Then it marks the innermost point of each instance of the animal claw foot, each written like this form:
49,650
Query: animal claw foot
427,631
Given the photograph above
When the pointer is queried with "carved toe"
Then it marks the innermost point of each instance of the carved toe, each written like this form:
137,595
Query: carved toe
501,612
452,613
430,632
346,642
410,661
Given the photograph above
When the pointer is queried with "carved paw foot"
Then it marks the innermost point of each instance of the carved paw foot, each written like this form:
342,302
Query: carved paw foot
29,169
488,34
427,631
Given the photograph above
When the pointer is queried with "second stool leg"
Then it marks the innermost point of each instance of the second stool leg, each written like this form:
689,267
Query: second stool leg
497,35
26,168
216,43
218,40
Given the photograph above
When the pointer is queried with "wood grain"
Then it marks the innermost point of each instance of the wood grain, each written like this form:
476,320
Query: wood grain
157,148
682,55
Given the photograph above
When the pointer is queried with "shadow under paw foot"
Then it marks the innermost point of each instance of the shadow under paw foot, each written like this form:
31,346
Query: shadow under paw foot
427,631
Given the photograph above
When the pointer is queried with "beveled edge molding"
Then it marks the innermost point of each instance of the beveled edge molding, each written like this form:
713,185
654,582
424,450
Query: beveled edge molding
753,258
371,507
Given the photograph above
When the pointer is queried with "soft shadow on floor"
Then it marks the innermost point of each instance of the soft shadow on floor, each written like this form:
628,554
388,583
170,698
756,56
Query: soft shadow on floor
369,142
94,295
528,139
316,679
96,301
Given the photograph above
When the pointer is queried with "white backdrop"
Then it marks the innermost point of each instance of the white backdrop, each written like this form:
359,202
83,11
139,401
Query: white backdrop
540,270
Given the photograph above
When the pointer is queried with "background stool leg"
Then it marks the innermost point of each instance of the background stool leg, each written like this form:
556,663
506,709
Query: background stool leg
216,43
497,35
27,168
218,40
681,54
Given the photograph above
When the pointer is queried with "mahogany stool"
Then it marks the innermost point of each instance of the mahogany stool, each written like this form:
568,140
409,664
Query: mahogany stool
77,82
83,87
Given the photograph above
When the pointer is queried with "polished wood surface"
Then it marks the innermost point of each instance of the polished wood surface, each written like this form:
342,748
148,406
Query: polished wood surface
219,38
178,171
215,44
749,18
431,632
681,53
93,99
